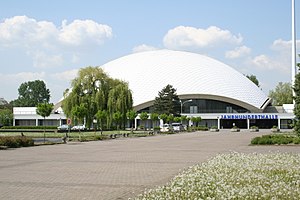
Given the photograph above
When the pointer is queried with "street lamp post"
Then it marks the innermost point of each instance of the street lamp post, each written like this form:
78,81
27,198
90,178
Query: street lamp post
183,102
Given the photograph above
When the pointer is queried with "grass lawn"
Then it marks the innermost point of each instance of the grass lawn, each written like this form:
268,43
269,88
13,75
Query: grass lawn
74,135
236,176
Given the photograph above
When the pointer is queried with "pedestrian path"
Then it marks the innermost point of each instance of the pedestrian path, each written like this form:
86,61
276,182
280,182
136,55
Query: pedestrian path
113,169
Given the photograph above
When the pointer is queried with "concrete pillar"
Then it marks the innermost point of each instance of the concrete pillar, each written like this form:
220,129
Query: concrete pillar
248,123
218,123
279,123
36,122
135,124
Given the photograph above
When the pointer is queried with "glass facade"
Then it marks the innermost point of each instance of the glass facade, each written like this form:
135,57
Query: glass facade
205,106
211,106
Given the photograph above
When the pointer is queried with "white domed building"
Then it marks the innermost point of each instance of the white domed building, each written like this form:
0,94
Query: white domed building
206,87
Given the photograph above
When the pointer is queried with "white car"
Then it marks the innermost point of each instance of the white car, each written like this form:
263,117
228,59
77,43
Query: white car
78,127
166,128
177,127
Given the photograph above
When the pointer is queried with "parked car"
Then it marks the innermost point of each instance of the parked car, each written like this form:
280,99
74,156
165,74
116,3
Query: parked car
63,128
80,127
177,127
166,128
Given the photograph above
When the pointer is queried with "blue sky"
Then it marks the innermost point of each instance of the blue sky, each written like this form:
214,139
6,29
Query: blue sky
51,40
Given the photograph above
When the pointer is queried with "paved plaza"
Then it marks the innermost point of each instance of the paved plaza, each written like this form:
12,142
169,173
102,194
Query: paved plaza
113,169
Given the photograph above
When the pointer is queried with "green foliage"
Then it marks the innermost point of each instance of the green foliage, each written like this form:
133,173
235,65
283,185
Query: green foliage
170,118
79,112
6,117
196,120
167,101
44,109
16,141
154,117
143,117
282,94
97,91
163,117
275,139
32,93
131,115
177,119
29,127
117,118
201,128
101,116
297,103
253,79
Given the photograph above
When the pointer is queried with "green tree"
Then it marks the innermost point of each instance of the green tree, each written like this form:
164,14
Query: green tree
282,94
131,115
170,118
101,116
117,118
167,101
44,110
98,91
177,119
196,120
120,100
144,116
154,117
297,103
163,117
6,117
79,112
32,93
253,79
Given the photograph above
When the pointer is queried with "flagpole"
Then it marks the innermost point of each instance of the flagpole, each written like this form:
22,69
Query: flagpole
294,69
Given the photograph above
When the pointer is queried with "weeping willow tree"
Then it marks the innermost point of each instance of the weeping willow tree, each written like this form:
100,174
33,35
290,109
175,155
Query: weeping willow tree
119,100
97,91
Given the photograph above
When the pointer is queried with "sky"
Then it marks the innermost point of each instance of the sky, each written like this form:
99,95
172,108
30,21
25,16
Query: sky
51,40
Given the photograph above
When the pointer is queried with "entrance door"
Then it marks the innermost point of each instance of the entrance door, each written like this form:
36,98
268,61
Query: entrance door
229,123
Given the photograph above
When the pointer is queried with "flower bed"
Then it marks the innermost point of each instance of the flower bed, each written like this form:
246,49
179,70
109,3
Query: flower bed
236,176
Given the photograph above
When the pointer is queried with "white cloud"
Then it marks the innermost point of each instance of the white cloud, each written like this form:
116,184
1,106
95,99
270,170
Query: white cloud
238,52
66,75
81,32
183,37
279,59
142,48
265,62
283,45
42,60
43,40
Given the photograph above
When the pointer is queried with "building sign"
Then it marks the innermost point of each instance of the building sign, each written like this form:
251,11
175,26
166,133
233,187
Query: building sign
249,116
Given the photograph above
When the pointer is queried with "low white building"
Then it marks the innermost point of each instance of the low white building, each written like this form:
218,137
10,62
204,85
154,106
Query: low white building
27,116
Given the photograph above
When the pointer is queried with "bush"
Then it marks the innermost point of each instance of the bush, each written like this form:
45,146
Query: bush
202,128
275,139
16,141
29,127
101,137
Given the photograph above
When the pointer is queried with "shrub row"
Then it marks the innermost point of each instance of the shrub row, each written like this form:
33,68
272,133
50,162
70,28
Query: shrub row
275,139
29,127
16,141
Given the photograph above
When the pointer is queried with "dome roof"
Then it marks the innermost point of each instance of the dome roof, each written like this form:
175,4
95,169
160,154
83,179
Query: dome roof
149,72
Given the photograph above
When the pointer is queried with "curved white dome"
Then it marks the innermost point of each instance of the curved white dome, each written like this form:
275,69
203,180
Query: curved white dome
149,72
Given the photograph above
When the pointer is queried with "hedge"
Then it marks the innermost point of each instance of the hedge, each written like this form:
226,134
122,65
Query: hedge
16,141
